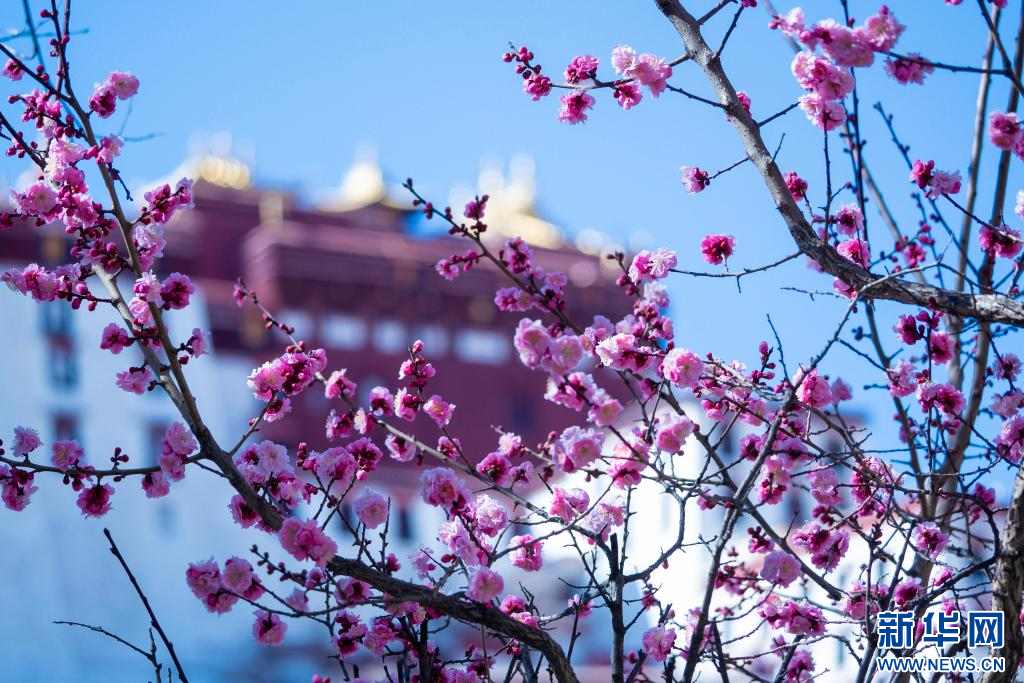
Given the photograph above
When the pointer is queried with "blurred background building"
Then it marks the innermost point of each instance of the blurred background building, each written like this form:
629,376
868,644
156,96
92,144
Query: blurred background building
354,275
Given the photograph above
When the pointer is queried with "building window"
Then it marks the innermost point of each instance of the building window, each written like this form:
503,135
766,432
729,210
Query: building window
390,336
404,524
154,435
434,337
339,331
62,363
524,416
65,427
253,329
485,347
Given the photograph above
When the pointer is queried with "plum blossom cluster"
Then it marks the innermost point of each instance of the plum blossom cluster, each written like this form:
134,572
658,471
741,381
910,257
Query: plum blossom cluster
658,443
634,72
826,76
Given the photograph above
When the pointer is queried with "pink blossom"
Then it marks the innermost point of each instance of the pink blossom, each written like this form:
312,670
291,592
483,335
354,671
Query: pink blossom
243,515
531,341
848,47
814,389
1004,129
569,504
824,113
526,552
620,352
775,481
648,266
489,515
1006,405
1003,241
17,488
795,618
717,248
26,440
496,467
944,183
910,69
441,488
944,397
66,454
155,485
824,486
582,68
577,448
94,501
123,83
199,343
881,30
672,433
694,179
109,149
906,591
658,642
902,381
38,199
682,367
240,578
485,585
820,76
1010,441
796,185
825,547
941,347
536,86
841,391
103,100
349,591
934,183
371,508
176,290
628,95
780,568
439,410
305,541
1007,366
260,461
849,219
290,373
855,250
400,449
179,439
574,107
12,70
268,628
800,668
204,580
929,539
115,338
339,385
646,69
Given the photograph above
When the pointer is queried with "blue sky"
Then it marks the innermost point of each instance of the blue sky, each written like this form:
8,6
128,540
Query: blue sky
301,85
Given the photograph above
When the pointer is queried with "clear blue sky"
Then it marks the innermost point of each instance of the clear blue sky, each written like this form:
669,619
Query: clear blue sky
302,84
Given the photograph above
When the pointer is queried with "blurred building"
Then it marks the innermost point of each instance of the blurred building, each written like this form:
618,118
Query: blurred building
354,275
